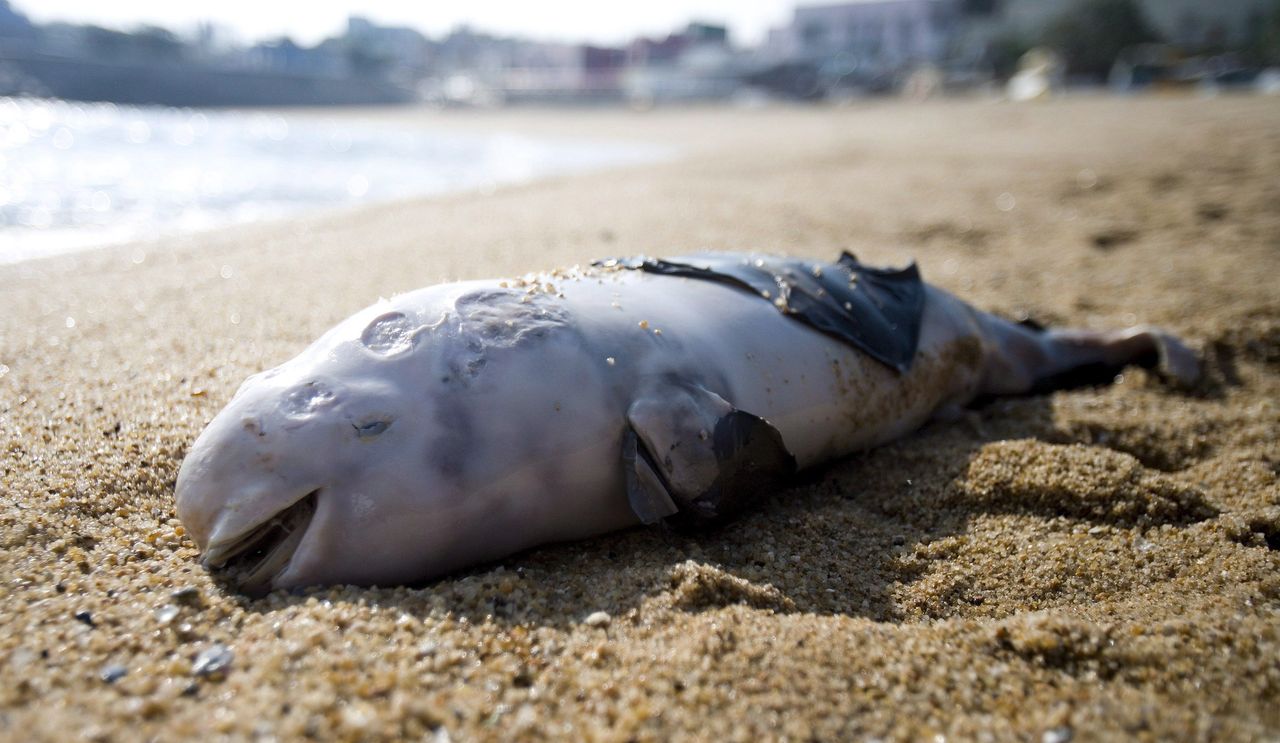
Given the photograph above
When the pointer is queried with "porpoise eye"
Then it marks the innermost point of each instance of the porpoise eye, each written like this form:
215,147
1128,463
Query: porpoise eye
371,429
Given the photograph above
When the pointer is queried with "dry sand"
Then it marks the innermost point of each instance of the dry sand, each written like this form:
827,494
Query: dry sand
1099,563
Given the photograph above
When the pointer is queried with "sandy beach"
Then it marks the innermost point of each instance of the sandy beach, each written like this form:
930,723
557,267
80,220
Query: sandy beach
1094,564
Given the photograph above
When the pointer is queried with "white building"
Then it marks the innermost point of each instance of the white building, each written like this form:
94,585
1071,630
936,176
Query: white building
874,35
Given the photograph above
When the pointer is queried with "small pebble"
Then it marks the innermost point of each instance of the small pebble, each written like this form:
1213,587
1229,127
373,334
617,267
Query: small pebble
85,617
212,660
598,619
113,673
166,614
186,595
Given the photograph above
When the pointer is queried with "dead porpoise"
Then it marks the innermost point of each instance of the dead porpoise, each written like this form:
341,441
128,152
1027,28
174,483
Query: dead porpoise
464,422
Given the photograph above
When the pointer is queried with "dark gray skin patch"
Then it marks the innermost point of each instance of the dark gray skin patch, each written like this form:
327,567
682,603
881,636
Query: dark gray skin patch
876,310
484,325
488,320
449,452
505,317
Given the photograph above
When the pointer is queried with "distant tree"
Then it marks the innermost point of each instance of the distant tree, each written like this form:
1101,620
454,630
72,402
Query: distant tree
1264,41
367,61
105,43
1003,54
155,42
1092,33
147,42
980,7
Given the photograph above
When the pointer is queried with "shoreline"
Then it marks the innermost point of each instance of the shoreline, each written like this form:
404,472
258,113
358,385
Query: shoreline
183,172
1092,564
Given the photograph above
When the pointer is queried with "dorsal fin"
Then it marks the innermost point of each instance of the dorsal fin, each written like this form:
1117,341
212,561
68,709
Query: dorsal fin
876,310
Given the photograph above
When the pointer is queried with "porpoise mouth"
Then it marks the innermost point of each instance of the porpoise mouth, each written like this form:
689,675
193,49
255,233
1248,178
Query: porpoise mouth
251,561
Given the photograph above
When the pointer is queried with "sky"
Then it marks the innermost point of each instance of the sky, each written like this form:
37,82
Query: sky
311,21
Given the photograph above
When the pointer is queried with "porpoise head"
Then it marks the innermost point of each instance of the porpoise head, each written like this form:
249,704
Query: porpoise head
315,473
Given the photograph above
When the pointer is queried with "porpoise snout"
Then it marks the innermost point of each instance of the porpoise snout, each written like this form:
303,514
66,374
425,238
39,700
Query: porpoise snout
243,503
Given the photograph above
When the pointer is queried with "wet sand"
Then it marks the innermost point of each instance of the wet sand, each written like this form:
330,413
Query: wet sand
1099,563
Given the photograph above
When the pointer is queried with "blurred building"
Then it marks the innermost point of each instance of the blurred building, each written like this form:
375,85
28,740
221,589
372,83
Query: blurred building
469,68
395,53
152,65
880,34
697,63
284,55
562,73
865,46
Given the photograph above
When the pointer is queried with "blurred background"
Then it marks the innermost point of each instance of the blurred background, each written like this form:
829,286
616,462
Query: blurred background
120,120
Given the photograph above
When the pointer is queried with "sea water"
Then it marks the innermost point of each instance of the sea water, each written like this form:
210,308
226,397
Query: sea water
80,175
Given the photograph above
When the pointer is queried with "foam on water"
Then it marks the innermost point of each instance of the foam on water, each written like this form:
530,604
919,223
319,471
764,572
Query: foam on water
75,175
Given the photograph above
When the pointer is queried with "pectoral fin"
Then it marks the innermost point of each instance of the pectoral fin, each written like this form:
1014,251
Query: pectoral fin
692,458
646,492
